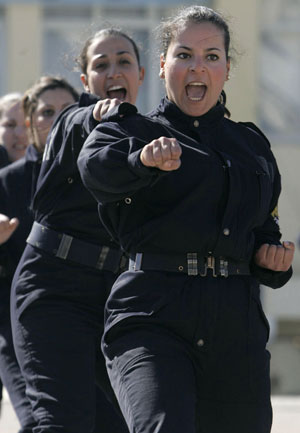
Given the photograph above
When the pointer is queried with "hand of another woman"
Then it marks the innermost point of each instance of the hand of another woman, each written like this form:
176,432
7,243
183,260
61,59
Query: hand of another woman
7,227
103,106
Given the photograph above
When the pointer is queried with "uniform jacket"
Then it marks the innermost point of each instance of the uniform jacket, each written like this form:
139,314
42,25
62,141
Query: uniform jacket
220,201
61,201
3,157
17,186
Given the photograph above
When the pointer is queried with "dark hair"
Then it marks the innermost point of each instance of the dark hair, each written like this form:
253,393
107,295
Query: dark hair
192,14
31,96
197,15
82,59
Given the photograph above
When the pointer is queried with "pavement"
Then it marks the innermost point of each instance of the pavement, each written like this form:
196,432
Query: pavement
8,420
286,415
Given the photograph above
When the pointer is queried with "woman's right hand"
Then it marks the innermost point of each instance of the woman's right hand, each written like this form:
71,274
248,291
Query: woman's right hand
7,227
163,153
103,106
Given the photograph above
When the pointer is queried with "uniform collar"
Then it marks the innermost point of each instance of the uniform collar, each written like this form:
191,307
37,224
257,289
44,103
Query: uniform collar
32,154
87,99
173,114
119,111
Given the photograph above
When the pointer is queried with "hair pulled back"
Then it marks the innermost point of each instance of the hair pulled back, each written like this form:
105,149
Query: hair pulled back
82,59
44,83
168,30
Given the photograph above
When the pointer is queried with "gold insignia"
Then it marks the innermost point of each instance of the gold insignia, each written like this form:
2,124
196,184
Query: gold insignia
275,215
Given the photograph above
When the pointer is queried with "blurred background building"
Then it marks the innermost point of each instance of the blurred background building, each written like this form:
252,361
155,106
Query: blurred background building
44,37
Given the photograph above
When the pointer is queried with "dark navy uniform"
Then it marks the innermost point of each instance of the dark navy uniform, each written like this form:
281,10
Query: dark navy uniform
3,163
185,334
17,185
60,288
3,157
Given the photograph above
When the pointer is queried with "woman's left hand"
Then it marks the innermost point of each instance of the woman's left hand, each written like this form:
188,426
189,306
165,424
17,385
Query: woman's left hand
275,257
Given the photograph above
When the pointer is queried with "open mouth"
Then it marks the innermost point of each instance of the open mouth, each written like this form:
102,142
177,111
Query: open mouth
118,92
196,91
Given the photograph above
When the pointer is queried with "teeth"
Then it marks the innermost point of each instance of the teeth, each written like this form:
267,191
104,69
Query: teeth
195,95
114,88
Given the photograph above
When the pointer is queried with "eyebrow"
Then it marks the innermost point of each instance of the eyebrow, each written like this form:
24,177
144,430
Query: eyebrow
119,53
206,49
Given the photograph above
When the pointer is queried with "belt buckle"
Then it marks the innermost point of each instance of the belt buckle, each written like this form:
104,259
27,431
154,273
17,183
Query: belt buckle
209,264
64,246
192,263
223,268
136,263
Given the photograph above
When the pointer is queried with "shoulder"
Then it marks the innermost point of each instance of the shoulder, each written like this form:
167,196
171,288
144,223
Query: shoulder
134,125
14,168
254,128
64,123
3,157
249,132
127,114
70,114
73,114
12,177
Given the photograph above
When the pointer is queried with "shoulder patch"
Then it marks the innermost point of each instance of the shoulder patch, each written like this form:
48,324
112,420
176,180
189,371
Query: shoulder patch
275,215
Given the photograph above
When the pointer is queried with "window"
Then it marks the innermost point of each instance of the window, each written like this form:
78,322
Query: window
2,51
67,27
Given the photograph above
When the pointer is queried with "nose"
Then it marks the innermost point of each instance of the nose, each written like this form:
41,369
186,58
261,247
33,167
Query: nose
197,64
113,71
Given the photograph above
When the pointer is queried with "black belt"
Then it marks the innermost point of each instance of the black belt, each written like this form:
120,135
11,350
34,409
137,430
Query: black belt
67,247
190,263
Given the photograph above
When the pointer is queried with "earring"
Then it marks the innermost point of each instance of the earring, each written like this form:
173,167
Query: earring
228,77
161,73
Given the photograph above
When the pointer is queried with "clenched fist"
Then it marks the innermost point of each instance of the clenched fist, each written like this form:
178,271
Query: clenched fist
163,153
103,106
7,227
275,257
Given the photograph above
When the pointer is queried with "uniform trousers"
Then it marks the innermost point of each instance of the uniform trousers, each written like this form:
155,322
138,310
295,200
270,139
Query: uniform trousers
11,376
188,353
57,316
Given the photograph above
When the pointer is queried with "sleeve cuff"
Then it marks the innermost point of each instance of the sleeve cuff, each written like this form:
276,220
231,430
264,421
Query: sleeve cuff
273,279
138,168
